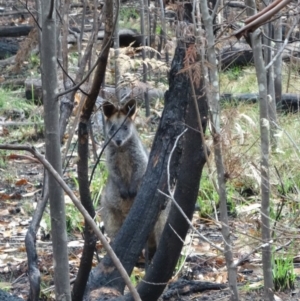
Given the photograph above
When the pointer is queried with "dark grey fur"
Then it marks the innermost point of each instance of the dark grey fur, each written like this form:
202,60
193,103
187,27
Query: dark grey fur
127,161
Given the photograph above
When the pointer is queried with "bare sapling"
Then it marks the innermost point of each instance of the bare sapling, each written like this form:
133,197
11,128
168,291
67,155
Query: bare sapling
214,103
261,74
265,183
53,153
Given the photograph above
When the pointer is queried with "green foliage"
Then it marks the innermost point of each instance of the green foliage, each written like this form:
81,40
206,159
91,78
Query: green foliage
181,260
11,101
133,279
13,106
34,60
74,218
283,271
98,183
3,161
158,30
234,72
207,195
127,15
73,58
289,183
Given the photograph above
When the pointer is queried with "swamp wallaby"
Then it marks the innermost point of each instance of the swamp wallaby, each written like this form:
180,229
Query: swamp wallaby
126,160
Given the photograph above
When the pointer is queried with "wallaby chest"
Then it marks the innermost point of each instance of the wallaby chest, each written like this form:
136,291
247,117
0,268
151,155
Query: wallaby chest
121,162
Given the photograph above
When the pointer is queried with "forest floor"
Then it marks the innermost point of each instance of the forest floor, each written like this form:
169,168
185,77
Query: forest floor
22,179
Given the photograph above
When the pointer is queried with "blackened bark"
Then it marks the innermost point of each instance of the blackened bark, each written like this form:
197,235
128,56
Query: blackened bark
187,187
133,235
101,64
30,242
82,166
15,31
90,238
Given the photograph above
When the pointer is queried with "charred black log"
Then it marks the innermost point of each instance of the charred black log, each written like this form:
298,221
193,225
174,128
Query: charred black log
4,296
237,55
8,49
15,31
127,37
289,103
187,287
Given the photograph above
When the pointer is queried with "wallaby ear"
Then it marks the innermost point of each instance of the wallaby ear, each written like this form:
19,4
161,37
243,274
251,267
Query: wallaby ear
129,107
109,109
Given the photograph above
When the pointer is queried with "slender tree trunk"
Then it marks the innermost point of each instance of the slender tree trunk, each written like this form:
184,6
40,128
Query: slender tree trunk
278,61
82,165
264,132
117,52
90,238
265,185
143,33
164,30
214,96
30,239
152,42
268,55
53,154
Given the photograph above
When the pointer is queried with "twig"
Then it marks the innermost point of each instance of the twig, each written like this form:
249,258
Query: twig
279,52
169,162
290,138
245,257
93,68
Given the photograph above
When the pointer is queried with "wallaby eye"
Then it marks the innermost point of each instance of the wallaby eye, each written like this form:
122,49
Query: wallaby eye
112,129
125,127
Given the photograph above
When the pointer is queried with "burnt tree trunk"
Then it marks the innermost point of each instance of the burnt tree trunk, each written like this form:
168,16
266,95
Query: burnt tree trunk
82,165
187,163
187,186
133,235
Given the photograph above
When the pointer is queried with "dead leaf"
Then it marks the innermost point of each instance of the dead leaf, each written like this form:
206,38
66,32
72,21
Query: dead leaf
4,196
21,182
221,277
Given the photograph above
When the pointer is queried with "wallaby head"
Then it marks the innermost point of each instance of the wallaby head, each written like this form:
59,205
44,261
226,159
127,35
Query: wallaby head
119,121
